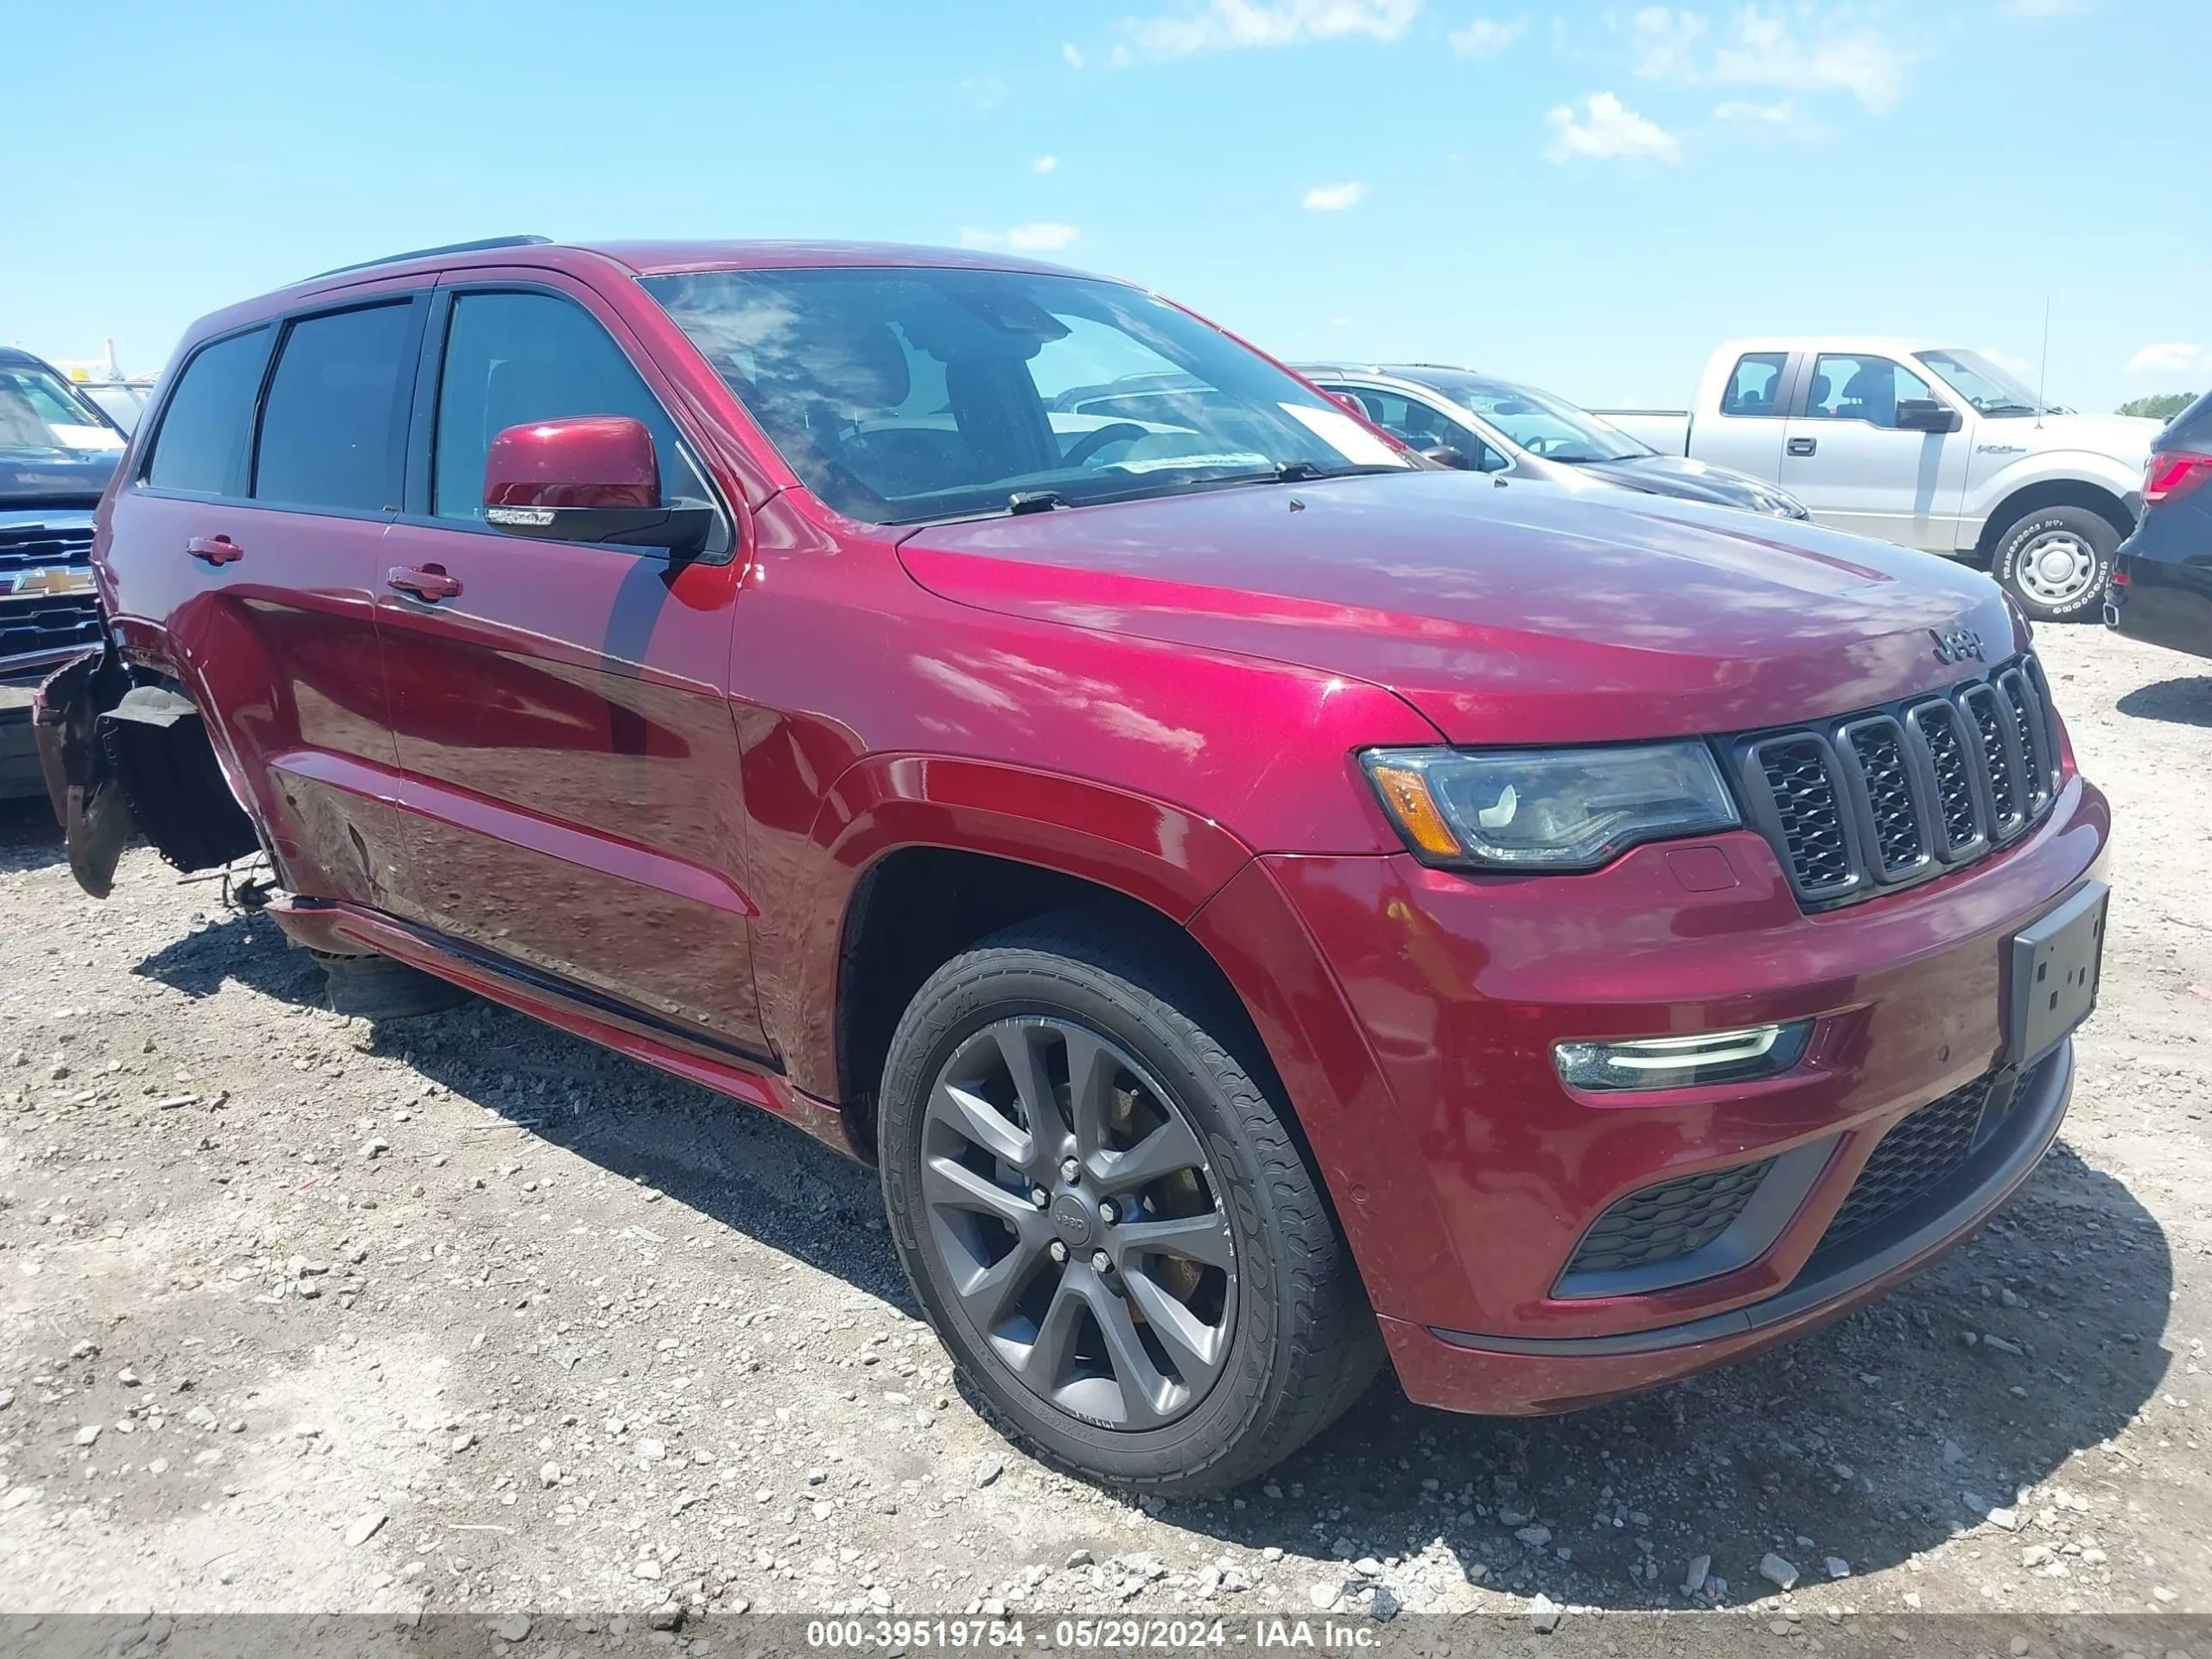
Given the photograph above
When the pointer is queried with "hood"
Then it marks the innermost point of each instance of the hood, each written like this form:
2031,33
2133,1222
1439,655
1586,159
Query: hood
58,478
1695,480
1505,613
2124,437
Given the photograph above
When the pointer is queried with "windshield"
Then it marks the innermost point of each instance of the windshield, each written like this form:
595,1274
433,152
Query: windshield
41,411
1538,422
904,395
1982,382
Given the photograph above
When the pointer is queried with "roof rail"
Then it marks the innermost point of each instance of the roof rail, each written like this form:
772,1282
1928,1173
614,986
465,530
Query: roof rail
426,253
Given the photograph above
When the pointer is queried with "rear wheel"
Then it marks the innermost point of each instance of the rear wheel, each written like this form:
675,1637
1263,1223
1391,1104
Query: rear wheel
2054,562
1105,1216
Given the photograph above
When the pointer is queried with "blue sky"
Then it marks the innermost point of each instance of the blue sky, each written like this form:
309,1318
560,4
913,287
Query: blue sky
1587,196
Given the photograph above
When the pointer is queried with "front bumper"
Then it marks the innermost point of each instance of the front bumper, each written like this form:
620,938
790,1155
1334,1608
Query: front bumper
1461,1371
1476,1171
20,777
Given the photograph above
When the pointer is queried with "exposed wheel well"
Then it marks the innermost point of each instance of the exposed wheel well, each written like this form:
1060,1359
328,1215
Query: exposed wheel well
2053,492
915,909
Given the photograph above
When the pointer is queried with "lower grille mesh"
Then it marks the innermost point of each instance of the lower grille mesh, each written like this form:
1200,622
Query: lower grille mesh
1671,1219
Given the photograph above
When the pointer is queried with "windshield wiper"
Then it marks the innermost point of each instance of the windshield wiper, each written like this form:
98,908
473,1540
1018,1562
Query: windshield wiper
1023,501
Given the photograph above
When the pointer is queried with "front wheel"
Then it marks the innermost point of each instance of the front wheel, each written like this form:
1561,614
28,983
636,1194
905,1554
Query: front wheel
1105,1216
2054,562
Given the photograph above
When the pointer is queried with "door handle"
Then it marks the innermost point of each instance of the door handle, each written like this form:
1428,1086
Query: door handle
425,582
1803,445
216,550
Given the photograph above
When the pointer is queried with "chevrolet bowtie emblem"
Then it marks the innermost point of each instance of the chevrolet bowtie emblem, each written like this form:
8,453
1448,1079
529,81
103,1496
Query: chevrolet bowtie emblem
50,580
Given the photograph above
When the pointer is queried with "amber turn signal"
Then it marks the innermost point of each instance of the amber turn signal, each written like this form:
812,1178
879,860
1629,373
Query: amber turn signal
1405,792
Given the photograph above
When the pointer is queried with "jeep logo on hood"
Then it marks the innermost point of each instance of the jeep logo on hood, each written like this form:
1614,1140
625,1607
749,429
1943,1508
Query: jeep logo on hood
1957,646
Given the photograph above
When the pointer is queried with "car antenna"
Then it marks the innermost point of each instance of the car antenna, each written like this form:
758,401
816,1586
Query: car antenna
2042,369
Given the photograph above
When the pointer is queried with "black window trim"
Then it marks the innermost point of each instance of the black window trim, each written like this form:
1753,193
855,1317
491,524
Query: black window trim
143,462
416,491
402,408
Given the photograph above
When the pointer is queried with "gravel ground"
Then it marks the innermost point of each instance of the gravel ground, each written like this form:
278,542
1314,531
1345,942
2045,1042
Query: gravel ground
461,1313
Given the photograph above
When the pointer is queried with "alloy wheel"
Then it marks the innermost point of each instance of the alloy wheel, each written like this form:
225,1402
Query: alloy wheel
1077,1224
2057,568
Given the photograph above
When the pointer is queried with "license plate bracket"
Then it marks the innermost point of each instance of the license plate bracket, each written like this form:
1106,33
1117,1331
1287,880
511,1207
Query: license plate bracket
2056,963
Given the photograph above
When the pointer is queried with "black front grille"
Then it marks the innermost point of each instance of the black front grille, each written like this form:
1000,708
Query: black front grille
1802,788
30,628
34,547
1918,1153
1877,800
1878,746
1668,1220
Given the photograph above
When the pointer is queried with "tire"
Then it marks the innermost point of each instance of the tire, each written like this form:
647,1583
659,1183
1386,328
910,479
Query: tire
377,987
1288,1340
2054,561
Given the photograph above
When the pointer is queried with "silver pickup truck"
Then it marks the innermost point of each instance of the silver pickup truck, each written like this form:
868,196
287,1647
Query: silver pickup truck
1931,445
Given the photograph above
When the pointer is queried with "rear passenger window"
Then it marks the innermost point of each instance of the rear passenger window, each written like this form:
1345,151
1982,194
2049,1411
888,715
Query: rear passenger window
334,426
1755,389
201,447
512,358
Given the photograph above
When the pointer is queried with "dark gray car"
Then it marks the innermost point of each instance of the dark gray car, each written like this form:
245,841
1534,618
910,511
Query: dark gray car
1492,425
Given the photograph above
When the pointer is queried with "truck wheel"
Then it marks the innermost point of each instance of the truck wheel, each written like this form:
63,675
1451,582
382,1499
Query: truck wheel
2054,561
1105,1216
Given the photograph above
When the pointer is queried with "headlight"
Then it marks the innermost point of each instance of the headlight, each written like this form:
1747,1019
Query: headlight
1548,808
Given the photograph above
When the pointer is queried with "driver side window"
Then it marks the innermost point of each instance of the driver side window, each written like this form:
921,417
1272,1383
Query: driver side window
1414,422
1849,388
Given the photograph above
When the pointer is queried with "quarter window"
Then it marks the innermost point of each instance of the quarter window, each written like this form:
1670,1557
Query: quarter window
1846,388
1755,389
201,447
512,358
333,424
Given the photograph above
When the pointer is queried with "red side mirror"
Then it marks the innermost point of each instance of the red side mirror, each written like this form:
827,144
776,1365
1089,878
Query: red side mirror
588,478
590,460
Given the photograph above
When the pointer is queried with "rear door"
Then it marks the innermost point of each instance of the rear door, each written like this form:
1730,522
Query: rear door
1743,428
570,761
244,560
1846,459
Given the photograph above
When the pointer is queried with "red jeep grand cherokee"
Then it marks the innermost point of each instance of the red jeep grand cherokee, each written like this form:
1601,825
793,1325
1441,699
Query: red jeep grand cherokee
1265,906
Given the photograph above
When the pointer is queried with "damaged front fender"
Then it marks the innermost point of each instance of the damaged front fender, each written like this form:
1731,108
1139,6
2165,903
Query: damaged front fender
118,756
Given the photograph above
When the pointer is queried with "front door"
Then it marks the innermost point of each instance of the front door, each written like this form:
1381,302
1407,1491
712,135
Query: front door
1846,459
247,553
569,762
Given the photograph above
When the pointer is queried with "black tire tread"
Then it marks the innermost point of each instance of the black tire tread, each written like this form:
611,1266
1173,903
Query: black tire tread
1334,1348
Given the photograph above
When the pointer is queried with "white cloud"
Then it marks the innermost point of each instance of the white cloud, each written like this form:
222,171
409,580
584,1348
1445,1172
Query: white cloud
2043,8
1813,54
1046,236
1768,114
1044,163
2170,357
1483,38
1607,131
1071,54
1227,25
1334,198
